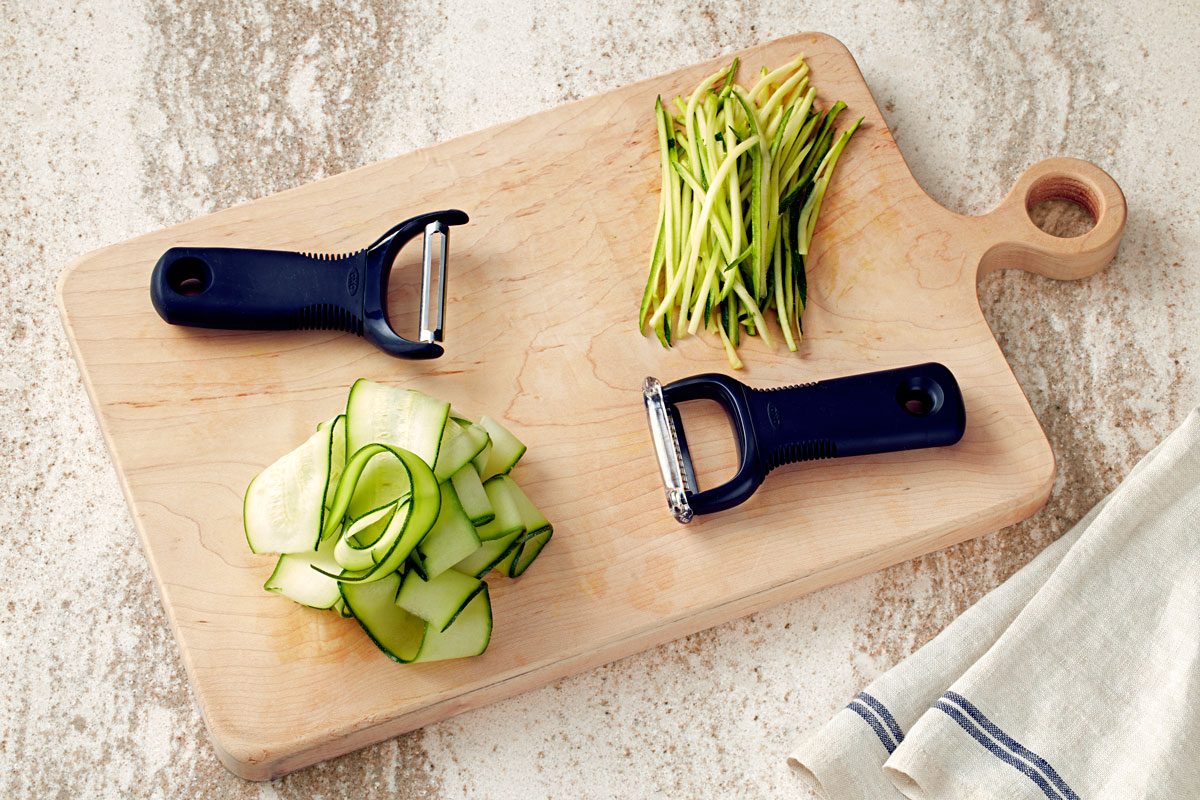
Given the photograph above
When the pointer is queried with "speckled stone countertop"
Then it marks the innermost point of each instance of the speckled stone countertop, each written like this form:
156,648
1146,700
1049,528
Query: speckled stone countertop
119,118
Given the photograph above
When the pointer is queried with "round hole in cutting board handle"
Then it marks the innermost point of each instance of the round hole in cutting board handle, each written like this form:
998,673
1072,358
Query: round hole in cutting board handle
920,396
1062,206
189,276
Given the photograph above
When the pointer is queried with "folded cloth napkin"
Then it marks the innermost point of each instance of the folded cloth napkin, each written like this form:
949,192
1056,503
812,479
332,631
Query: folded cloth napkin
1079,677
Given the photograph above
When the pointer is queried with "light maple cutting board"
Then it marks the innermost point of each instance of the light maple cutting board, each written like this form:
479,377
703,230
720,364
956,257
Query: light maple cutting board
543,294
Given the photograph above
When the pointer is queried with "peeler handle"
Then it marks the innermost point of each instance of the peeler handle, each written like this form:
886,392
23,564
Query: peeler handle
232,288
877,412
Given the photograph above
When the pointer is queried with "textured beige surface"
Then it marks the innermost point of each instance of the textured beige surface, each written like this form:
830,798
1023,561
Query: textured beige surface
120,118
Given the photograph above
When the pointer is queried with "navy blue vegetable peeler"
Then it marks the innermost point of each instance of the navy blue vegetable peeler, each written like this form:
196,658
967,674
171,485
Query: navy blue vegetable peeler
222,287
878,412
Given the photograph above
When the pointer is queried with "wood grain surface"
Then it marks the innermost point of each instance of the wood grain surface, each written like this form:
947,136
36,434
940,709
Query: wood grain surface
543,292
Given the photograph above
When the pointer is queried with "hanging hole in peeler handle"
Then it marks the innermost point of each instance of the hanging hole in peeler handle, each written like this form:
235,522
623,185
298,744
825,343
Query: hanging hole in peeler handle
1015,240
189,276
920,396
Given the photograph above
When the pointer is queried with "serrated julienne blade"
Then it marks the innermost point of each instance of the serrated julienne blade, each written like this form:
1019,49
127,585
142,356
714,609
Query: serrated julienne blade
666,447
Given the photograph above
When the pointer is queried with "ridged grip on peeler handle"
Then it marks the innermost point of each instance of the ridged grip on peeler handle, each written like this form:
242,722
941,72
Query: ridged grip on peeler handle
880,412
221,287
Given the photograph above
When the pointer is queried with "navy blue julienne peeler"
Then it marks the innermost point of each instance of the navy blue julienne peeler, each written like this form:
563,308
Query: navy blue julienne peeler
878,412
222,287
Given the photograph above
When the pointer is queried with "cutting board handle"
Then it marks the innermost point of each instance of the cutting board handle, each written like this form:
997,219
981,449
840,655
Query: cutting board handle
1021,244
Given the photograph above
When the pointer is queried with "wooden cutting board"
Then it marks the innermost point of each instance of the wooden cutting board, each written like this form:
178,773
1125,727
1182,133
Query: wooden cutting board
543,293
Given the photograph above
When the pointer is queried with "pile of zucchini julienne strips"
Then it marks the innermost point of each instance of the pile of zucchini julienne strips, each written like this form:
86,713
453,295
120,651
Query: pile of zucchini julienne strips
392,513
743,176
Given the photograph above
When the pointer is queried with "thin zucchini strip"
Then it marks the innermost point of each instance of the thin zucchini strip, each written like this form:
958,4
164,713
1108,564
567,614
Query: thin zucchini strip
460,444
506,450
469,488
770,77
694,236
395,631
537,532
662,239
508,514
404,418
337,454
530,550
808,217
690,116
760,165
365,541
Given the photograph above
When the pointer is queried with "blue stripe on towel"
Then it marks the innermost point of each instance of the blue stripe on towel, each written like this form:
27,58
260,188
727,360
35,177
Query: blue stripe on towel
1012,744
995,749
877,726
883,712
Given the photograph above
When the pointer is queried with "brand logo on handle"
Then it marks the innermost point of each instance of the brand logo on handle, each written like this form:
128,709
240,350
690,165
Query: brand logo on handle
352,282
773,415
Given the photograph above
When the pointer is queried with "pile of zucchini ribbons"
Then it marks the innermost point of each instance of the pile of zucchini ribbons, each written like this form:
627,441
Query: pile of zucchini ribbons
392,513
743,176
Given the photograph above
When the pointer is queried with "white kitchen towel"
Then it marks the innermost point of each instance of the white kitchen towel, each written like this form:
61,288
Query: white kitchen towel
1079,677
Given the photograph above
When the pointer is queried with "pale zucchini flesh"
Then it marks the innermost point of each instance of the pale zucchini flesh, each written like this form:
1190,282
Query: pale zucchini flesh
295,578
382,480
469,488
284,507
508,515
367,536
461,443
439,600
480,461
468,636
506,449
452,538
489,554
405,418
